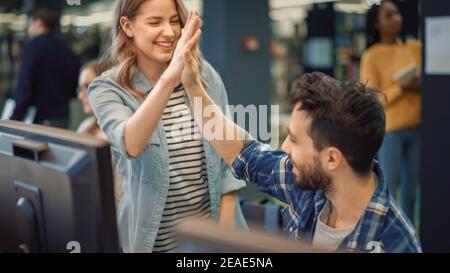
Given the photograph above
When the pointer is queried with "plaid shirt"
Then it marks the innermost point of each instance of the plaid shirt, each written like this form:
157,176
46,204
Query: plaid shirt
382,228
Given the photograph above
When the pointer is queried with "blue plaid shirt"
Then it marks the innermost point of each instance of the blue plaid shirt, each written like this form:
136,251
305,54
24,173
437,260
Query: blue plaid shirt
382,228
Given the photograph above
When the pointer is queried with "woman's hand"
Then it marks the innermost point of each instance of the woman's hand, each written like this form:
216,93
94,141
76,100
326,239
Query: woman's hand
411,84
227,214
189,38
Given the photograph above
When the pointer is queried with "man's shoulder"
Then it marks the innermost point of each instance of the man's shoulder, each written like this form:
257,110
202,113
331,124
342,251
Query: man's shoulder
45,40
399,234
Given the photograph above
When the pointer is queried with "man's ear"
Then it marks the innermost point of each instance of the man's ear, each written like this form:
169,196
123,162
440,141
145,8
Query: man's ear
334,158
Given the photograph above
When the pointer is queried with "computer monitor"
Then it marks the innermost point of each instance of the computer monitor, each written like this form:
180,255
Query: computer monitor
56,191
200,236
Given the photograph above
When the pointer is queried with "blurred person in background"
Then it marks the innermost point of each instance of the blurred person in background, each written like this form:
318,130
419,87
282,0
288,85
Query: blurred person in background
387,55
89,126
48,74
88,73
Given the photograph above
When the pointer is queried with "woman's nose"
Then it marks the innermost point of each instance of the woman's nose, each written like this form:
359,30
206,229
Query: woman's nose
168,31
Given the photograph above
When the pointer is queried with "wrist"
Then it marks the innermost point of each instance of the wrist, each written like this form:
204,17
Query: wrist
167,80
194,86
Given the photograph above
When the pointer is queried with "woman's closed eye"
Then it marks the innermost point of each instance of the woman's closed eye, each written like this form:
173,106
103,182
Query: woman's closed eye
175,22
154,23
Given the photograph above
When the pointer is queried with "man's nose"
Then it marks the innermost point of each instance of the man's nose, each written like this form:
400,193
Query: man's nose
286,146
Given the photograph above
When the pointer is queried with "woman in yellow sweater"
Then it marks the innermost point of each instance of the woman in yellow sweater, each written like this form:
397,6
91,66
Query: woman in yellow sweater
387,54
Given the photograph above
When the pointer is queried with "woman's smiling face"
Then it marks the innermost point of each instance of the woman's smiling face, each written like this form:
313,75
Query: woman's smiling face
156,30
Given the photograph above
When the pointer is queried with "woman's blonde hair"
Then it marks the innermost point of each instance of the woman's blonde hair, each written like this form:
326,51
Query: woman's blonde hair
119,51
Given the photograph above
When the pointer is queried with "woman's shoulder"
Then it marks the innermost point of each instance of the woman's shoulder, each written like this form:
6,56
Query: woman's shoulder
215,85
414,44
374,50
108,76
106,82
212,77
209,72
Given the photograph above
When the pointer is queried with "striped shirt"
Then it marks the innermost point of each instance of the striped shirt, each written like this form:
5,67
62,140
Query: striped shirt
188,189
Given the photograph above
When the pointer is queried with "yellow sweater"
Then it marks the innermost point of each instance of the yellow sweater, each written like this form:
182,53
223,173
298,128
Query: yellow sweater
378,64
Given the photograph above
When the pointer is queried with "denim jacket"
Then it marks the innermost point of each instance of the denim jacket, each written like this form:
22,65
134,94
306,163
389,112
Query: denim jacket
146,177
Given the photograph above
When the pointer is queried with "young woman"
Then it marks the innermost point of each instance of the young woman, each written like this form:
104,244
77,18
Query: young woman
386,55
170,172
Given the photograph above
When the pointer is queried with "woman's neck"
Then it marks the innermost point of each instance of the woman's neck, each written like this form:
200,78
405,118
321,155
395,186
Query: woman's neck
388,39
151,69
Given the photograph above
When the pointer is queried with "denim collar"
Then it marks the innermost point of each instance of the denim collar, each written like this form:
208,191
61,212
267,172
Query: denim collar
141,83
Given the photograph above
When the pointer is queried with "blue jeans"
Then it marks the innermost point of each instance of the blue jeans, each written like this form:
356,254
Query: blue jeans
399,158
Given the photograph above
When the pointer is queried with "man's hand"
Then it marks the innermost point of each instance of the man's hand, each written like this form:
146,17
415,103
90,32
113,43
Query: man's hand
190,77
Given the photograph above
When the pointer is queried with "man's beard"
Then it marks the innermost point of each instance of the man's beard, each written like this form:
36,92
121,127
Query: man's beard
312,177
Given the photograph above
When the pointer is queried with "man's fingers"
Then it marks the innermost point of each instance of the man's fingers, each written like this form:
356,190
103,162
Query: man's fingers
197,40
187,56
194,40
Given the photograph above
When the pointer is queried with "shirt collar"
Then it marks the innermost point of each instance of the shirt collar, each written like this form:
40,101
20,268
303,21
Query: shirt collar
378,208
380,199
369,227
141,83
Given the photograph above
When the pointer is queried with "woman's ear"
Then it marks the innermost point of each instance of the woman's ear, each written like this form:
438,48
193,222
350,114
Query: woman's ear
126,26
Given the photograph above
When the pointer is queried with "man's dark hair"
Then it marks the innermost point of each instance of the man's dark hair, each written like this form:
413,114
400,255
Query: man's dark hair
48,16
346,115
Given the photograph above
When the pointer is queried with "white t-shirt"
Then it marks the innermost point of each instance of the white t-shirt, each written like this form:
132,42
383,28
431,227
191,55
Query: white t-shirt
326,237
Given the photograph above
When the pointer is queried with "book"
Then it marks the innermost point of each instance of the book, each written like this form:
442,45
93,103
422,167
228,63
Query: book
406,73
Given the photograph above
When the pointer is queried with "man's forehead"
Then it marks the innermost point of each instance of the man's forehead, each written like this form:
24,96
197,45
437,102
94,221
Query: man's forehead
300,119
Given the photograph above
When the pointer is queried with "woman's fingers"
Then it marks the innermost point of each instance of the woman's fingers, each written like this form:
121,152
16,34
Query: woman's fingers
185,28
191,26
189,18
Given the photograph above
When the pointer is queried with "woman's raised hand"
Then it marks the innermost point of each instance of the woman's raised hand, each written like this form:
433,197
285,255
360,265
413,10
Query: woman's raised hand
187,42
